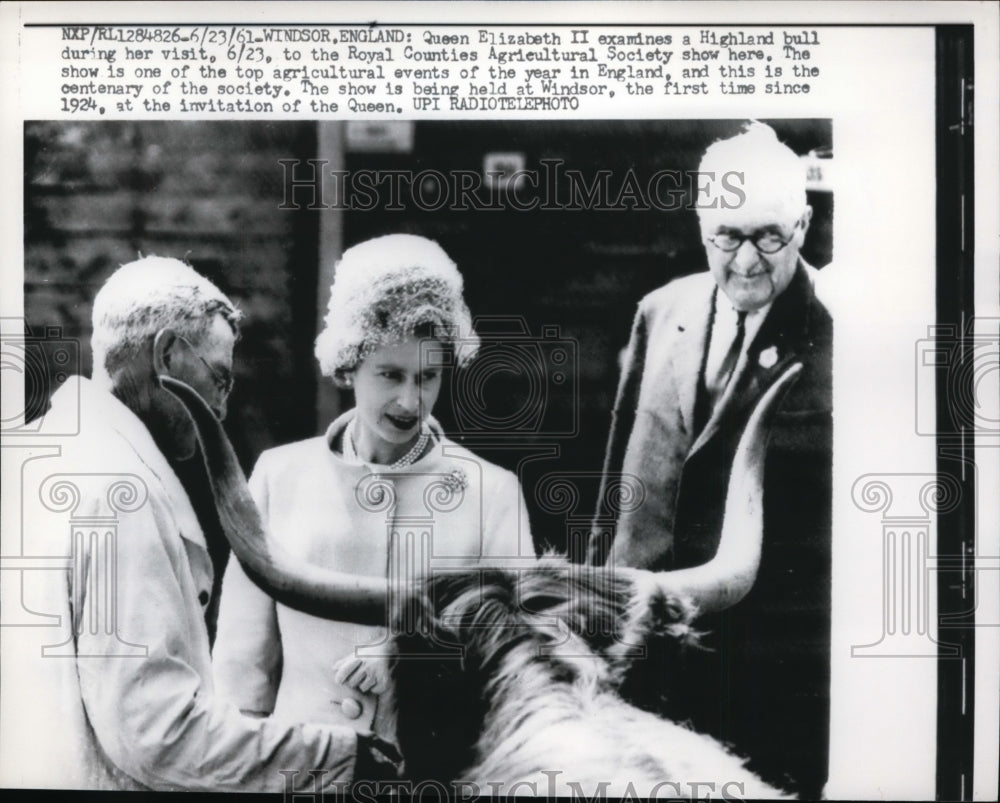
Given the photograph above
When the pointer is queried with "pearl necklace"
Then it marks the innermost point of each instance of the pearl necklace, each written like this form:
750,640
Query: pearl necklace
351,453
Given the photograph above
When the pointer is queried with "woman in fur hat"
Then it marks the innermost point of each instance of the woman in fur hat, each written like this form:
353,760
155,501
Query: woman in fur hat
383,492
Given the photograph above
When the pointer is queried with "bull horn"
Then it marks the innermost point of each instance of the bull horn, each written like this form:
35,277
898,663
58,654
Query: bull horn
728,577
291,581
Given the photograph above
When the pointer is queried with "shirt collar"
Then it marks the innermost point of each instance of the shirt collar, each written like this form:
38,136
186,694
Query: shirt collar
726,316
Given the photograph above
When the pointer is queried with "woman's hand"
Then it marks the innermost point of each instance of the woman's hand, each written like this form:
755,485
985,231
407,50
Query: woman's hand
366,675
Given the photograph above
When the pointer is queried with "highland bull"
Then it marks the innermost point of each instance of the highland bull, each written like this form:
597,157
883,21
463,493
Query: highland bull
526,679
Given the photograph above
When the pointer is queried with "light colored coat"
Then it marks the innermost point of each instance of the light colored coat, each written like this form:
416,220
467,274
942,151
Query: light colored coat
454,508
117,693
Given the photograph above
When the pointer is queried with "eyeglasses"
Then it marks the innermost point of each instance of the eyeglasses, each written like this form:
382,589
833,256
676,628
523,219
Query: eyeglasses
223,378
767,241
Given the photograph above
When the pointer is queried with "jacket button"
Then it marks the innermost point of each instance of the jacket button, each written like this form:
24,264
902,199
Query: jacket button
351,708
203,598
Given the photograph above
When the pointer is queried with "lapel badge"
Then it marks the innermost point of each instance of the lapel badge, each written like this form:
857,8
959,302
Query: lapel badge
768,357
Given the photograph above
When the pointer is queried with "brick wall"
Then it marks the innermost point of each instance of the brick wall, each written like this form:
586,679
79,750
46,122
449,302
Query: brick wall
99,194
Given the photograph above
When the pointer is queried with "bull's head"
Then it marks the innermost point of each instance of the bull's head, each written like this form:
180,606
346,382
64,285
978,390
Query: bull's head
516,650
493,659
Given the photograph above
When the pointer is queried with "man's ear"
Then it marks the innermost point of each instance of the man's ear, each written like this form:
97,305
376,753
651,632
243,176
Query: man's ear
163,350
806,218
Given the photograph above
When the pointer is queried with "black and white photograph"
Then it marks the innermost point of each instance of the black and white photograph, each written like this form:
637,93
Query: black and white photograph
494,400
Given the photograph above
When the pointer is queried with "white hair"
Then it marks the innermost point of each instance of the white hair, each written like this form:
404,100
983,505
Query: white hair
387,290
772,176
147,295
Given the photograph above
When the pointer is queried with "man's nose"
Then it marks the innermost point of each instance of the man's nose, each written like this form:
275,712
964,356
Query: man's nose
221,407
746,257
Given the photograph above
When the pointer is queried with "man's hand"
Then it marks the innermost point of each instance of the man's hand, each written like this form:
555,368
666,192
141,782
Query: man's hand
366,675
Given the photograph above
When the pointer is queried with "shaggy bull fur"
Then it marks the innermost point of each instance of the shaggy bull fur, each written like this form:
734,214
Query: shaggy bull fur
518,678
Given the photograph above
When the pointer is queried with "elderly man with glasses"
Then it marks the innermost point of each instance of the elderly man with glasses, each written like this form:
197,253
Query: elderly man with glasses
118,692
703,349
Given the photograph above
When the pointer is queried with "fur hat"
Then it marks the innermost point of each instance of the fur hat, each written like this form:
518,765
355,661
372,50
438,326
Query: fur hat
384,291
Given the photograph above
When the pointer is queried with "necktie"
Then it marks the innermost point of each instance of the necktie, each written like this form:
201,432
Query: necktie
732,357
714,383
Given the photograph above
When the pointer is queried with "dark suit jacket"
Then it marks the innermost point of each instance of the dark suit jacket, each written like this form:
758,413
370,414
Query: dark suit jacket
765,686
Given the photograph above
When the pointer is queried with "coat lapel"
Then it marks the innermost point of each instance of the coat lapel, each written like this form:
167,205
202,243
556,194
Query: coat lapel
777,343
688,355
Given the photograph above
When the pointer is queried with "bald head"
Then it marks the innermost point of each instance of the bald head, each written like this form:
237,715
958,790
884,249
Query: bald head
147,295
753,246
769,173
